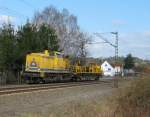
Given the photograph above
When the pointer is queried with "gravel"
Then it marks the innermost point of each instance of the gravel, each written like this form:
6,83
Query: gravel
43,102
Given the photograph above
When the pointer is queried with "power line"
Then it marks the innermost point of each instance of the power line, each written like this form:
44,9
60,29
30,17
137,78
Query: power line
96,42
116,51
113,45
12,11
104,39
28,4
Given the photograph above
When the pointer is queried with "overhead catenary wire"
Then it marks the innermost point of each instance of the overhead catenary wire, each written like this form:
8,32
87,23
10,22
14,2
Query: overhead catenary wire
28,4
104,39
10,11
96,42
13,16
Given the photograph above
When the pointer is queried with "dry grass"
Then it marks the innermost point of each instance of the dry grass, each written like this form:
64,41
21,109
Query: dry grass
134,101
131,101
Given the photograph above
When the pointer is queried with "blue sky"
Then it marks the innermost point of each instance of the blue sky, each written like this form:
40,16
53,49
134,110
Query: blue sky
131,18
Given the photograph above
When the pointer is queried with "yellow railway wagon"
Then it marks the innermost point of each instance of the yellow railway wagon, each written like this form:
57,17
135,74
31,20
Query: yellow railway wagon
90,71
91,68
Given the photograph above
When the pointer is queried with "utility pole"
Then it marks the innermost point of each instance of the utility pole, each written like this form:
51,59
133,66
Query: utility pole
82,54
116,51
48,44
116,59
116,46
50,36
111,44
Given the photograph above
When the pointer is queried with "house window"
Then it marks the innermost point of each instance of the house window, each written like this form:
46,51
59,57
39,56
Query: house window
105,65
109,69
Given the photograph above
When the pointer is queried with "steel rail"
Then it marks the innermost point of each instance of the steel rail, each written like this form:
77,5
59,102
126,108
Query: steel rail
46,87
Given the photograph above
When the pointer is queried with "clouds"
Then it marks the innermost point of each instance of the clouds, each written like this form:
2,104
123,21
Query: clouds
6,19
100,50
119,22
146,33
136,43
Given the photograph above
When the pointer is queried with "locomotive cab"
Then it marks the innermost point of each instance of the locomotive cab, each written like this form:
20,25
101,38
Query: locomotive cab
46,65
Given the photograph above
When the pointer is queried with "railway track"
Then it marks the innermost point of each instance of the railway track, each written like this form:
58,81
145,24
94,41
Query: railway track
31,88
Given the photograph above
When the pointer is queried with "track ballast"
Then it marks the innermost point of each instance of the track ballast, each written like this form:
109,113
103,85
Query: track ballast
31,88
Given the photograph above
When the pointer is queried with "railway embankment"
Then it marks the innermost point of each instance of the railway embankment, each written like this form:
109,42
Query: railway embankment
80,101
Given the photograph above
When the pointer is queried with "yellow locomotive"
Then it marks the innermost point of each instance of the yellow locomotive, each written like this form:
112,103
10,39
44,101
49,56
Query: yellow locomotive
54,66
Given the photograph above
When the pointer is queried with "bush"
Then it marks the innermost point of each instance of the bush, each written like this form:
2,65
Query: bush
134,101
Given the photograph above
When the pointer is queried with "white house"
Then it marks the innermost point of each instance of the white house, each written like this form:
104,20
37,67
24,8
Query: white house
119,69
108,70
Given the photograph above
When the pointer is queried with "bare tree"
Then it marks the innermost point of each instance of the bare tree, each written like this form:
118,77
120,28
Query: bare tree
71,39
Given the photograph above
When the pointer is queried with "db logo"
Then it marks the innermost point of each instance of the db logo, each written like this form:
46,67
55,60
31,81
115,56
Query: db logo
33,63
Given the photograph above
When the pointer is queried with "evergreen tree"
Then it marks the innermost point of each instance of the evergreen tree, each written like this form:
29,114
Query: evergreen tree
47,38
129,62
7,47
16,44
33,39
27,38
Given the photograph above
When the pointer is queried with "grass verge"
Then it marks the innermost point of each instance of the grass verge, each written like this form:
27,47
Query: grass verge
132,100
